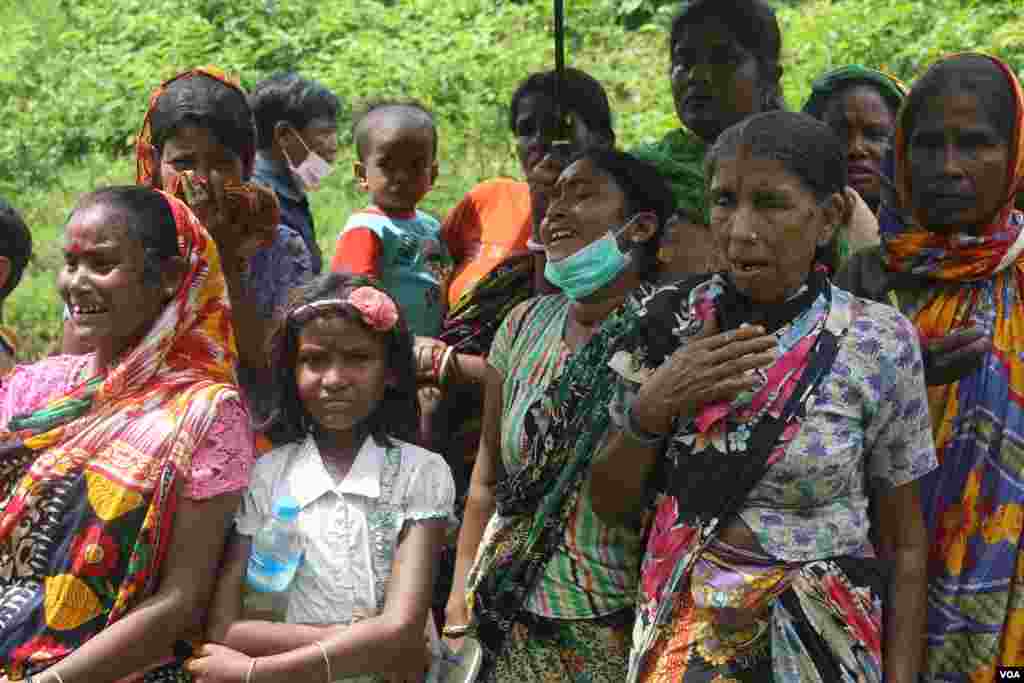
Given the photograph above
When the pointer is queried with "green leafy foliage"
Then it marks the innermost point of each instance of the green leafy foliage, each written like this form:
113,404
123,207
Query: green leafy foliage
75,79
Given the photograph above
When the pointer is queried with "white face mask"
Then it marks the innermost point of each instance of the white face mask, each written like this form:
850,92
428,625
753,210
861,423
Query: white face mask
313,169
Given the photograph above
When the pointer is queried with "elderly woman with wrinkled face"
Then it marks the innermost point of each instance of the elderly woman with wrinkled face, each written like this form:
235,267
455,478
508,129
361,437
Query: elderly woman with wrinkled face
765,410
951,260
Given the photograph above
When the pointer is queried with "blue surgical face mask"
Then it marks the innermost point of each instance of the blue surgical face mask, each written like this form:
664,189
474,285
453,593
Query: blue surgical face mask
584,272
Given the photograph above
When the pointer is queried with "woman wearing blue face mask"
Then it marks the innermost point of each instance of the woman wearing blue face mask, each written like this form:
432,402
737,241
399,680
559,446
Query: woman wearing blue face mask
551,592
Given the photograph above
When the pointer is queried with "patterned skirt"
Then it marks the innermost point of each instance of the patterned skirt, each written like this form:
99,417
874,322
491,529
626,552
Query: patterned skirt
564,651
746,617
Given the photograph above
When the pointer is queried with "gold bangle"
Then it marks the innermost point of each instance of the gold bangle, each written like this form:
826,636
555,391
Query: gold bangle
327,660
456,631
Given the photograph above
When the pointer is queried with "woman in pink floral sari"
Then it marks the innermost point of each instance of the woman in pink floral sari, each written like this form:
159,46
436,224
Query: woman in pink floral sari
771,409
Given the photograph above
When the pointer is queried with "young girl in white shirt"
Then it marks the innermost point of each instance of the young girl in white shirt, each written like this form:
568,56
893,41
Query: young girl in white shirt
373,509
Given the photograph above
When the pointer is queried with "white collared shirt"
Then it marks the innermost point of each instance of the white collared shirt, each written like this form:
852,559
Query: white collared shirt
335,583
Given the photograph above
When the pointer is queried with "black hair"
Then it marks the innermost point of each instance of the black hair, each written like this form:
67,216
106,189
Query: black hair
581,94
805,147
755,26
291,98
204,101
149,219
413,112
645,189
972,73
397,414
15,245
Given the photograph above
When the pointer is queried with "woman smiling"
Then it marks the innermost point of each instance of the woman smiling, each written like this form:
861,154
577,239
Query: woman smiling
122,467
550,594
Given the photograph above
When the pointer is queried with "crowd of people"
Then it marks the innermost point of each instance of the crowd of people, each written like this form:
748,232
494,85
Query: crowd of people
744,404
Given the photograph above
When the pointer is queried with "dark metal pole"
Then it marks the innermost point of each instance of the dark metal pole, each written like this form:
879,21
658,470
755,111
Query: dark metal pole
564,133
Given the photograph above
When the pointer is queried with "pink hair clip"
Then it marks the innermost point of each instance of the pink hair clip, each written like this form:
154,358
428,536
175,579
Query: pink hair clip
377,308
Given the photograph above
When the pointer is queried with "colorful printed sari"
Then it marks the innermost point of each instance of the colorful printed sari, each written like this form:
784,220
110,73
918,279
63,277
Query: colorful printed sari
708,611
472,322
88,482
974,502
535,504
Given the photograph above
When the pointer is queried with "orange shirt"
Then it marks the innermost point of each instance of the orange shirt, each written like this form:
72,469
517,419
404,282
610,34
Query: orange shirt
492,222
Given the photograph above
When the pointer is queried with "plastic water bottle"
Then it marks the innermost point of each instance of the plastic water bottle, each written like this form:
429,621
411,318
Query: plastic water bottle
276,550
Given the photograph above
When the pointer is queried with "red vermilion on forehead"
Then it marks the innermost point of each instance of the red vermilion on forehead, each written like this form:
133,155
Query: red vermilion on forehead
78,236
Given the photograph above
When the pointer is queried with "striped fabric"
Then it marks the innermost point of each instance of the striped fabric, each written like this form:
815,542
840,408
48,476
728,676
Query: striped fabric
595,571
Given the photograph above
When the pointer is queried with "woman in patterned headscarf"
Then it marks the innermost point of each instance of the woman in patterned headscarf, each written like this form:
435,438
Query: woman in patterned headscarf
951,260
860,105
198,143
122,467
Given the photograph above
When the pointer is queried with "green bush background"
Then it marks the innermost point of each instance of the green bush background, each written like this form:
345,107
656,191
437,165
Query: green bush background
75,78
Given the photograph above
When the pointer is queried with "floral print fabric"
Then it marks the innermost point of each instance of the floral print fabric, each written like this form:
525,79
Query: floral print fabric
87,491
541,502
865,426
595,568
273,272
747,618
565,650
867,429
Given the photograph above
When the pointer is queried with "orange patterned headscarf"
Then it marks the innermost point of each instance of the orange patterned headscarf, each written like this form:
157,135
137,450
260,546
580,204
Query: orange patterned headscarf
145,152
973,503
108,459
957,257
252,205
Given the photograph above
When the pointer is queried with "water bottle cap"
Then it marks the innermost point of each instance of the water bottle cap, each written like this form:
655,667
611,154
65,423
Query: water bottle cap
286,508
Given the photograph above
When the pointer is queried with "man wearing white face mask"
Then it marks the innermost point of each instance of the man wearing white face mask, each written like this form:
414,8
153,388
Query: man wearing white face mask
297,138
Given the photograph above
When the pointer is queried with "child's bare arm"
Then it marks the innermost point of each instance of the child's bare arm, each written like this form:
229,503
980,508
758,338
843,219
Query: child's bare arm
378,644
226,607
254,637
